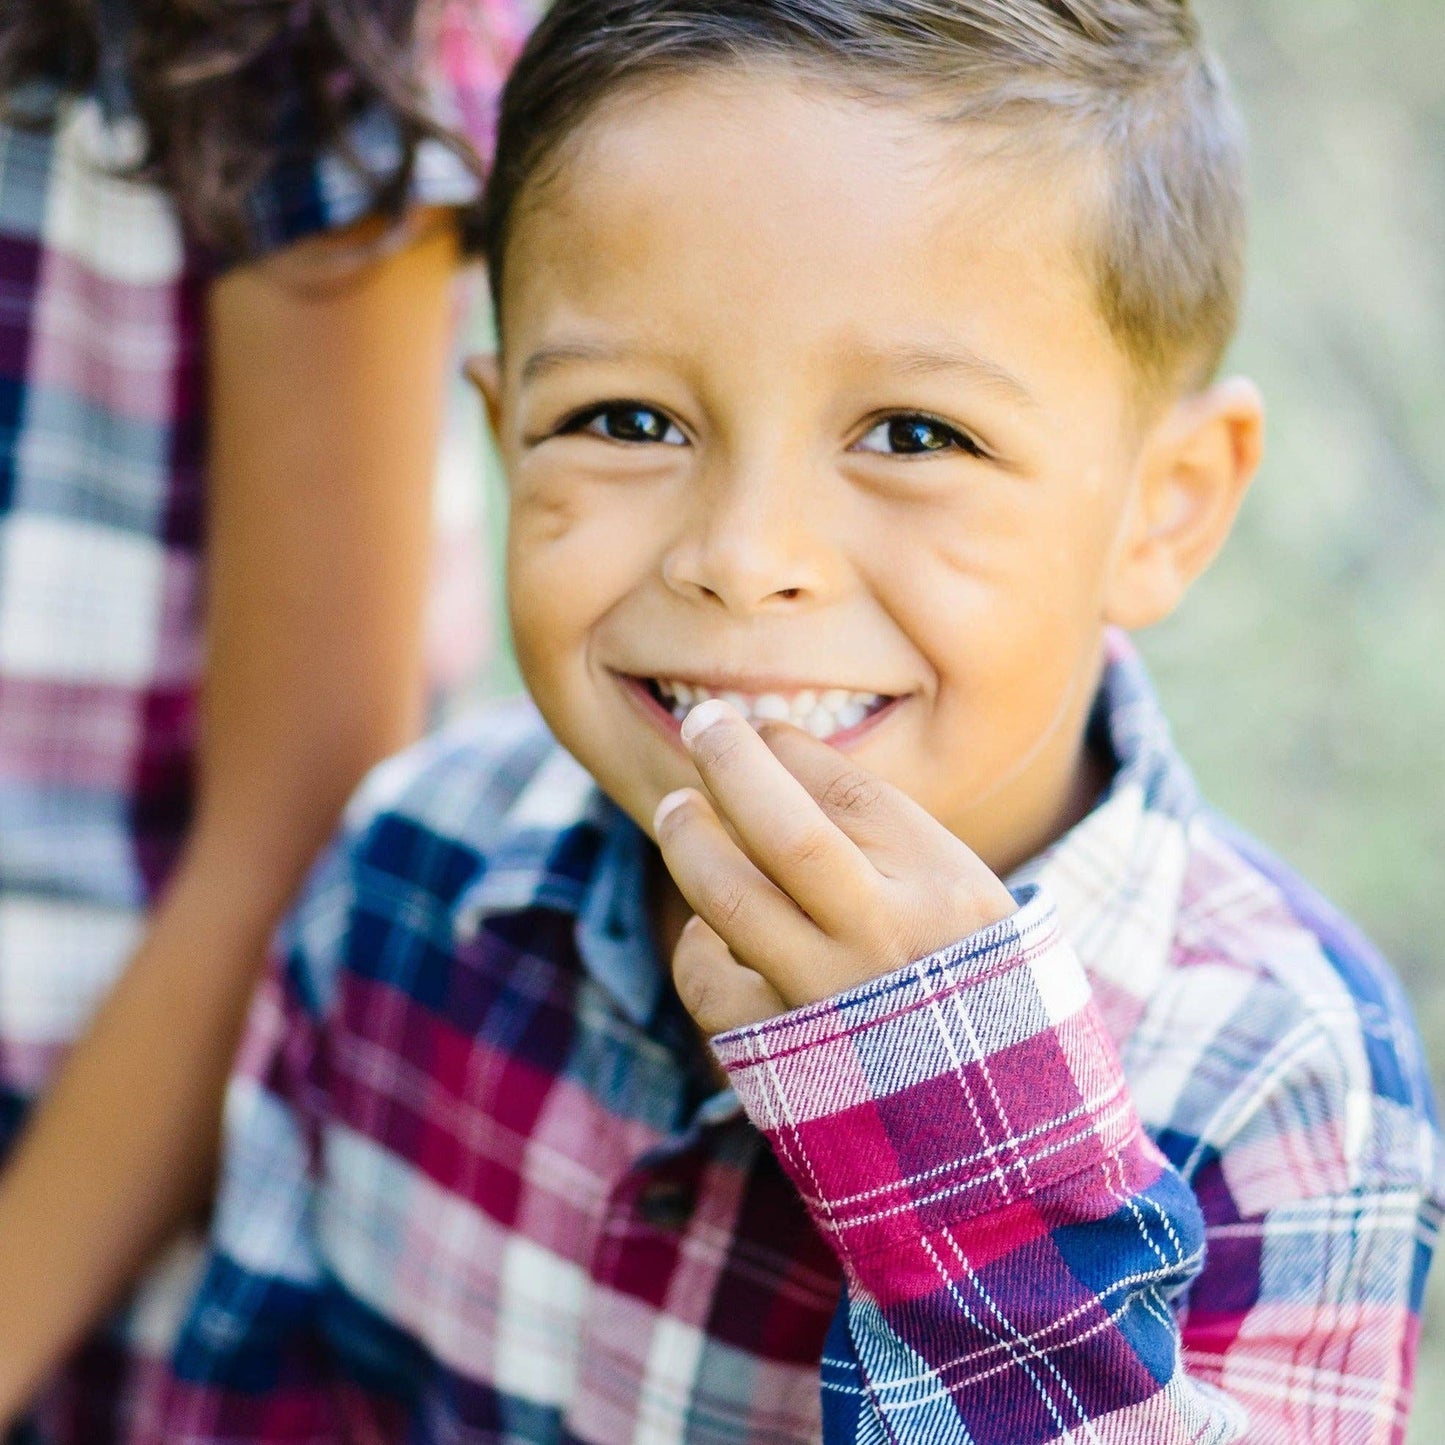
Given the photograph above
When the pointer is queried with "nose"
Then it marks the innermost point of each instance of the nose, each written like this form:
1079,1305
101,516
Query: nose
751,544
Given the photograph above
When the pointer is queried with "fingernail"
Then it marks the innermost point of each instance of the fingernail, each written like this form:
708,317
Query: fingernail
704,716
670,804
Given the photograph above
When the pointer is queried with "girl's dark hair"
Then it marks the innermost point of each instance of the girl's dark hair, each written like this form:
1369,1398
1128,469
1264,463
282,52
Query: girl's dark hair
1123,88
229,90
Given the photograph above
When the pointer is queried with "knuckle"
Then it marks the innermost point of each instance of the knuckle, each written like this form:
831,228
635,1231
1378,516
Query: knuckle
718,748
807,847
723,899
852,794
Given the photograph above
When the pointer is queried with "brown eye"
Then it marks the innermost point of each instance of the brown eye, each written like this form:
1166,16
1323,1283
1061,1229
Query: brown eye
628,422
911,435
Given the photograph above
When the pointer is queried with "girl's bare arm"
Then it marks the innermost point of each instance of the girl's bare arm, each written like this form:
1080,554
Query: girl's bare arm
327,391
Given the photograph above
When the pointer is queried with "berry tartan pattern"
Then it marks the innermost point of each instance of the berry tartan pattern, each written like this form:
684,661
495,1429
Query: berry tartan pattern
1152,1160
102,496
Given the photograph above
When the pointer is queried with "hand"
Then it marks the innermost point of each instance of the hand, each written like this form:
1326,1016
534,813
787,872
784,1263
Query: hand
830,876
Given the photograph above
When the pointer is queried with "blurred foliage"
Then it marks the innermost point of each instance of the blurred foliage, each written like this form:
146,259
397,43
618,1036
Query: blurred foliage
1306,676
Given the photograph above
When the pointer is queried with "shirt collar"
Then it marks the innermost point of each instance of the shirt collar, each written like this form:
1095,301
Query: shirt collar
1115,877
565,845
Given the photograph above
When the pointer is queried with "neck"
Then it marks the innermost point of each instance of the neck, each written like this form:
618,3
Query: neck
1019,824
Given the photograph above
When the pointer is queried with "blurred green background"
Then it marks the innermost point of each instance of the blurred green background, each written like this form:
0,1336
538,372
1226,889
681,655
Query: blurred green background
1306,675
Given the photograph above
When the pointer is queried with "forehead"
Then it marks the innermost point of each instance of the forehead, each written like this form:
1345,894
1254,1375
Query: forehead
766,200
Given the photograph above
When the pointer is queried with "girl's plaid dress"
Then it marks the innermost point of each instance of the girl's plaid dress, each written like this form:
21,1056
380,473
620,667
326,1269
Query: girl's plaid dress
102,491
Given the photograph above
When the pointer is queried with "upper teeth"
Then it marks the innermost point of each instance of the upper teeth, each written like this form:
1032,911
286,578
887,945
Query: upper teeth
820,713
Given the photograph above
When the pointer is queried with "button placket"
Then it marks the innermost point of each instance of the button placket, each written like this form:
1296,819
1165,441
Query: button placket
666,1203
637,1253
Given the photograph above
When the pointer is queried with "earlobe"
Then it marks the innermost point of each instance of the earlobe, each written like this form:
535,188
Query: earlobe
1194,470
484,371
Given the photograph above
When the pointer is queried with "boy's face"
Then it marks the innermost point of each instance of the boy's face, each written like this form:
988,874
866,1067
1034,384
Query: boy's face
802,401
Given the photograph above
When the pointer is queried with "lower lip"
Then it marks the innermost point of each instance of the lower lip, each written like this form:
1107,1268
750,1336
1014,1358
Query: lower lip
662,718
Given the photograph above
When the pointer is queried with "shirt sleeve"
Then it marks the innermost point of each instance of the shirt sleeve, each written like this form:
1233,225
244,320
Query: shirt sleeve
252,1363
468,47
1018,1254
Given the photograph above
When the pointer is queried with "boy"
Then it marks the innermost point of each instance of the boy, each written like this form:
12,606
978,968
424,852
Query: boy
855,388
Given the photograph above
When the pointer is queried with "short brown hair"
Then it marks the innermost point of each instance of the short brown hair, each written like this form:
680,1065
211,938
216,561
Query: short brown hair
1127,85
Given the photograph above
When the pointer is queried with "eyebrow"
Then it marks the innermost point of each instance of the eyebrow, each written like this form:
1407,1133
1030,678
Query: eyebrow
565,353
911,360
928,360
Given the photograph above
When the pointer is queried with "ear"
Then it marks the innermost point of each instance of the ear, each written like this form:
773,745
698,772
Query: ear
485,373
1194,469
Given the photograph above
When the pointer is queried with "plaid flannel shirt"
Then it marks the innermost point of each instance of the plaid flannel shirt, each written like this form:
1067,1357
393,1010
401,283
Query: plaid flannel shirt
1152,1160
102,494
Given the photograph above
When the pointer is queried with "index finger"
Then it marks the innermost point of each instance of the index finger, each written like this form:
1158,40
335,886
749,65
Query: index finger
897,834
775,819
874,813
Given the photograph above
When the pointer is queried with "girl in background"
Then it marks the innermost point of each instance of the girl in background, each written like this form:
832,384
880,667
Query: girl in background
229,233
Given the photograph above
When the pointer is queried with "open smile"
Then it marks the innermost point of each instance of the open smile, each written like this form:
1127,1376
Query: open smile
833,714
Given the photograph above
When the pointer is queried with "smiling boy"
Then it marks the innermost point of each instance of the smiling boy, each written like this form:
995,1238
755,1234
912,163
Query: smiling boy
856,386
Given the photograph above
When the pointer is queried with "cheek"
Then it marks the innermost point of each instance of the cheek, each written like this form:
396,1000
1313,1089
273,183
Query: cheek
1005,605
574,550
